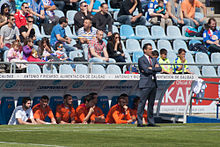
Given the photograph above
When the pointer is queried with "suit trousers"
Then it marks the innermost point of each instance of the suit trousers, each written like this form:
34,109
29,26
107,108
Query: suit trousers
147,94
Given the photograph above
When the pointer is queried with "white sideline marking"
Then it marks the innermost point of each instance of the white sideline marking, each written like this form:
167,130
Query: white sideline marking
1,142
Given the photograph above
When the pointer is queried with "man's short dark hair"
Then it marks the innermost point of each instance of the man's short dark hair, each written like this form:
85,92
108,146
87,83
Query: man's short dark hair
155,53
82,3
160,1
30,17
24,4
88,98
44,97
181,50
25,100
163,51
88,19
211,19
124,95
62,20
103,4
146,45
120,97
9,16
66,96
93,94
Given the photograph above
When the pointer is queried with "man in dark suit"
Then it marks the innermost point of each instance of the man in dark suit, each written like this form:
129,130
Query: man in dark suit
148,67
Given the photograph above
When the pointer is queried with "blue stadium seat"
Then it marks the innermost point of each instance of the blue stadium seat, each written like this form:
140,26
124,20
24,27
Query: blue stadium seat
164,44
177,44
69,33
59,13
33,69
137,55
199,15
36,100
202,58
54,101
19,101
98,69
75,102
113,69
189,58
200,28
194,41
5,56
115,29
148,41
195,70
171,56
132,45
70,14
218,71
65,69
127,57
215,58
143,32
73,54
115,16
7,106
158,32
47,69
208,71
81,69
128,32
173,32
43,32
103,104
114,100
38,34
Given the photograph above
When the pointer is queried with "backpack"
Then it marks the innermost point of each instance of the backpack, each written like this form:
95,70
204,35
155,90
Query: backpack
198,47
190,32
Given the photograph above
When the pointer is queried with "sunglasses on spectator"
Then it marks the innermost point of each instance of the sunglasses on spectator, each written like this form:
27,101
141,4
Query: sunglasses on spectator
13,19
30,21
117,37
85,5
26,7
60,46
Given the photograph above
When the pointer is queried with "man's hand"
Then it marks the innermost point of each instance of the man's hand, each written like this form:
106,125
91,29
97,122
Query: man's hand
133,19
129,121
91,110
125,107
109,34
150,68
202,19
157,65
196,22
105,59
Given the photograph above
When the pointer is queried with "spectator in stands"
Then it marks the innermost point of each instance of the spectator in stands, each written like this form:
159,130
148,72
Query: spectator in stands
19,4
27,30
119,113
14,55
155,54
10,3
189,8
97,49
102,19
36,8
85,113
4,15
82,15
94,6
65,113
134,111
59,51
211,37
166,69
125,15
100,118
29,53
175,12
153,15
21,15
49,8
42,110
8,34
178,69
114,48
23,115
58,34
45,51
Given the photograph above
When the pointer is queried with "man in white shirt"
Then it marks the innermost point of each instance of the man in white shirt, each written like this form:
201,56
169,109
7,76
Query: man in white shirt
23,114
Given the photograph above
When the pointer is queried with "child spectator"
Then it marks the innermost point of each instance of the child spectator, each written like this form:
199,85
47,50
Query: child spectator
14,55
155,54
160,9
166,69
59,51
181,59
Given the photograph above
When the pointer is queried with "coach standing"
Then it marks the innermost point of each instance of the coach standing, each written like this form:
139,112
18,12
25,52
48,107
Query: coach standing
148,67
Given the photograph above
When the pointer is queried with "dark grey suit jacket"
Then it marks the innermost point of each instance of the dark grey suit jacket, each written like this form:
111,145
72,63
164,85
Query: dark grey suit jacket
147,76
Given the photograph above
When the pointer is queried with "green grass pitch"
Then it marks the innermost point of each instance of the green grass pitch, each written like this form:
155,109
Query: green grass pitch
101,135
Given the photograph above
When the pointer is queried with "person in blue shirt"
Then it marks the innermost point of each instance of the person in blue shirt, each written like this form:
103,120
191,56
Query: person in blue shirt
153,16
94,6
58,34
36,8
211,36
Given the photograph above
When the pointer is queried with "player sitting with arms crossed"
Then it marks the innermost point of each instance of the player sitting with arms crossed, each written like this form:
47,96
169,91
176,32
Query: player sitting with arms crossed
42,110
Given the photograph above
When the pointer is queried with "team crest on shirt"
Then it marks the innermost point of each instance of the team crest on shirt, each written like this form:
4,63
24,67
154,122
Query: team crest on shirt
214,37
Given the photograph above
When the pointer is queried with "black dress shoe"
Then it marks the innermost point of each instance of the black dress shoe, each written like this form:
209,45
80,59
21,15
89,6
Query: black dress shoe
152,125
139,125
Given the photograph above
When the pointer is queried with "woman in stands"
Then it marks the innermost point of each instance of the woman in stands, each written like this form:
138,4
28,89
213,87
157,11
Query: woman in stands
114,48
45,51
4,14
29,53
